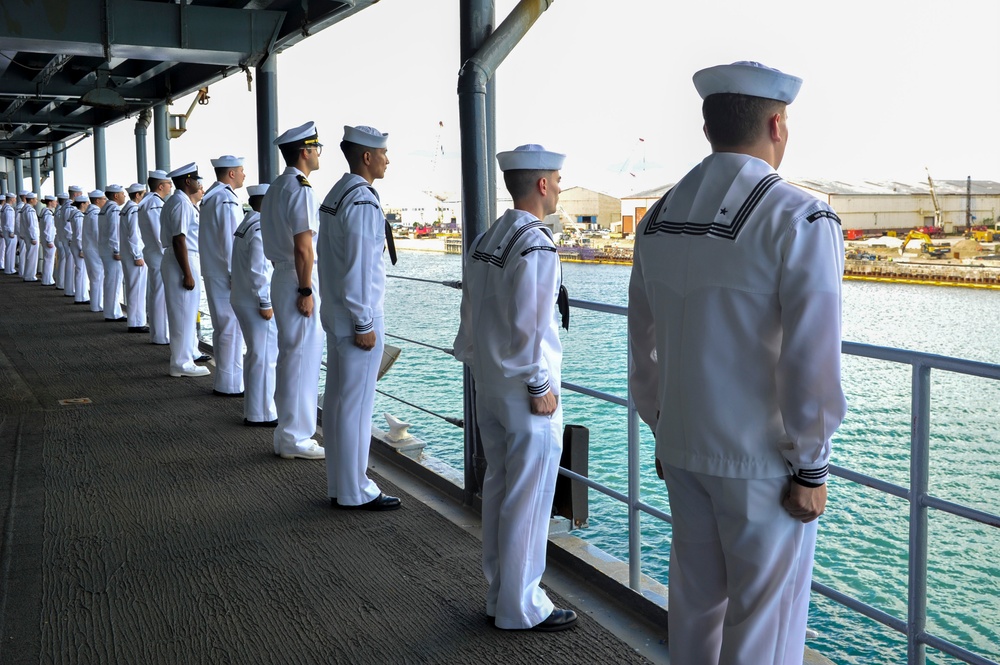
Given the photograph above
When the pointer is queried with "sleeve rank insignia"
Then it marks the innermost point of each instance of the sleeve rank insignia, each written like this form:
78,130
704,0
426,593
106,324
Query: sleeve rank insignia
302,181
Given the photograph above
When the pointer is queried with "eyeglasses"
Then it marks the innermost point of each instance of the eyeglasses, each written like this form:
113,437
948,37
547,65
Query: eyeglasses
318,147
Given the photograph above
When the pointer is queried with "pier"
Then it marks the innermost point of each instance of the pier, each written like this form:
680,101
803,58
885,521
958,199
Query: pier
143,523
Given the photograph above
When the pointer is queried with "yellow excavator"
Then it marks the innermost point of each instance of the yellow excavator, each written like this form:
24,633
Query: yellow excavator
926,247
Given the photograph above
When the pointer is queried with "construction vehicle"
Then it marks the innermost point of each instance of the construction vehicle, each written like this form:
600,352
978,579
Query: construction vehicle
981,233
927,246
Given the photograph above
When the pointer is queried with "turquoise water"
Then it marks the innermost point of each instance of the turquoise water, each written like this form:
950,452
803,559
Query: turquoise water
862,547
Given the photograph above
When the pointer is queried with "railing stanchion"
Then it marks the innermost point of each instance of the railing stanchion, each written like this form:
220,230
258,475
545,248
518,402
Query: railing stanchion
916,621
634,520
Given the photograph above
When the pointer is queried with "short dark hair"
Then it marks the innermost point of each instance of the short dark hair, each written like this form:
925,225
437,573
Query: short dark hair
255,202
221,171
734,120
520,182
290,152
353,152
133,195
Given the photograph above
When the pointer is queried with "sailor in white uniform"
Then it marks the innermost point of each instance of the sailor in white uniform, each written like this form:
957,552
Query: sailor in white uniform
509,338
109,249
133,265
32,236
92,255
251,301
352,238
288,227
48,240
181,268
81,286
59,249
19,231
150,208
221,213
734,320
69,256
8,228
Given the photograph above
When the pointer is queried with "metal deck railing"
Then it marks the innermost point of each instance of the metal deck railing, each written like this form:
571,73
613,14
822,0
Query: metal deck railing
918,495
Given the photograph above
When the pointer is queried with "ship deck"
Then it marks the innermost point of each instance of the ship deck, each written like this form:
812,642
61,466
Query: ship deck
142,523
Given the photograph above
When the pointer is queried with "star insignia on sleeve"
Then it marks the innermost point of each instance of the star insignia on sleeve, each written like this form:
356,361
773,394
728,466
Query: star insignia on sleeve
723,211
302,181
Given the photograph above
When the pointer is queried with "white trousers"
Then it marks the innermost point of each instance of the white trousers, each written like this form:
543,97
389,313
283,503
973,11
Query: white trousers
48,264
135,291
156,304
60,264
10,254
300,351
67,266
227,338
740,571
347,416
522,460
182,309
30,262
112,287
261,338
95,274
82,287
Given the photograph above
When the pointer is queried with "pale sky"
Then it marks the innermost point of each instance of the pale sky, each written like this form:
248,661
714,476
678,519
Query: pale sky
890,87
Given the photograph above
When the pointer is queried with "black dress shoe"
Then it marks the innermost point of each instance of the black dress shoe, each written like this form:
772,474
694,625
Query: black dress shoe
560,619
260,423
379,503
219,393
138,329
121,318
82,302
203,358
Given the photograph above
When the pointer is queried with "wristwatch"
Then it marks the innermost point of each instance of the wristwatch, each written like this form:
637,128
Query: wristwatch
305,292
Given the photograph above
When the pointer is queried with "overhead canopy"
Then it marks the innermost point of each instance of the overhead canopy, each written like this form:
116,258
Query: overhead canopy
122,56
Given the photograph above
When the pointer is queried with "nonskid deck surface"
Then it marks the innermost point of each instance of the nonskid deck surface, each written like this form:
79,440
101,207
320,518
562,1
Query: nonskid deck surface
149,526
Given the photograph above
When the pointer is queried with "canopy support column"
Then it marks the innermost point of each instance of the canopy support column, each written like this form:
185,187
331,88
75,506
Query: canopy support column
100,159
160,136
36,172
141,161
267,118
58,161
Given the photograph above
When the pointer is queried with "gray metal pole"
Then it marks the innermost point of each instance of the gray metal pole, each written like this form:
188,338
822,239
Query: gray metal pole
482,50
476,23
916,610
267,119
36,172
141,160
18,175
160,136
58,160
100,159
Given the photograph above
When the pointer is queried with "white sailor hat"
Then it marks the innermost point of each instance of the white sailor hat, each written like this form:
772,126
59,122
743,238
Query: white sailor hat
747,78
257,190
75,188
303,133
135,187
113,189
530,157
158,175
48,197
23,192
30,195
10,195
97,194
80,199
366,136
186,171
227,161
62,195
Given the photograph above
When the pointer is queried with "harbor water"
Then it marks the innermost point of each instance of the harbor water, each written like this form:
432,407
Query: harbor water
862,548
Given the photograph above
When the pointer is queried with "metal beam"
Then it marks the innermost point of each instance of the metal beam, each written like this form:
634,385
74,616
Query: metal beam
267,119
161,143
100,159
150,73
58,158
185,33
